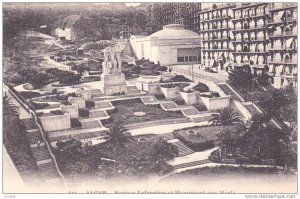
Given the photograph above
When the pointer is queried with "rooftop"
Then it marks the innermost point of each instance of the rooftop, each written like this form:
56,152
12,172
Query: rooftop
175,31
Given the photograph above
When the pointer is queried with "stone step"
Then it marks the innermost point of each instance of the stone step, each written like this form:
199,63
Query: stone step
190,164
183,150
40,153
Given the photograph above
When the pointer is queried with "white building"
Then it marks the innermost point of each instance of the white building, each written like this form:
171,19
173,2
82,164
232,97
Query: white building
172,45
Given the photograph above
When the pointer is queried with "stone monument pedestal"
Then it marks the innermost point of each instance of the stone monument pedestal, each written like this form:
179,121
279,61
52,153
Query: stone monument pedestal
113,83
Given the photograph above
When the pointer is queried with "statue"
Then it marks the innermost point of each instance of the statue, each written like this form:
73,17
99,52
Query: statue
112,78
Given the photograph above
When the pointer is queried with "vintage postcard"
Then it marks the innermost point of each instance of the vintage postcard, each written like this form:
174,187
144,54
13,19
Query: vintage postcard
150,98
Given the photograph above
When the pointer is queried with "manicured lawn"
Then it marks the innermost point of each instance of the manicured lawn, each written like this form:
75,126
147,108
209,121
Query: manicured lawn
198,138
125,110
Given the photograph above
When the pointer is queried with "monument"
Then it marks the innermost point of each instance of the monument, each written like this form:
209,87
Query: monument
112,79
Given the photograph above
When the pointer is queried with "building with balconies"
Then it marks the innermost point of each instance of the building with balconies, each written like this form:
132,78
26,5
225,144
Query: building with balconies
250,39
215,25
282,45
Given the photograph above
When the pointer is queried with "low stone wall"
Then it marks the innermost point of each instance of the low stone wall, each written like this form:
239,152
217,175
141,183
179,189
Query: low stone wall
151,88
189,98
170,93
71,109
242,109
86,94
216,103
56,122
79,101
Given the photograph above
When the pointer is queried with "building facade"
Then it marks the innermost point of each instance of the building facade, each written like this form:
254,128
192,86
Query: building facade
215,24
282,45
250,39
261,37
170,46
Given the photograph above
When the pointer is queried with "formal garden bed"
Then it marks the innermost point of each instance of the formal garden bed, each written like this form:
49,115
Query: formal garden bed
124,112
180,86
177,78
198,138
128,157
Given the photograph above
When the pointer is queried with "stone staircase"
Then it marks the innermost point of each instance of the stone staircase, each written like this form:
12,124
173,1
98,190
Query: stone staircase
167,136
40,153
183,150
46,167
46,171
191,164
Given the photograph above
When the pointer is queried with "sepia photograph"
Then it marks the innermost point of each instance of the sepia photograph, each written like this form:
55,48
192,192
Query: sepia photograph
150,98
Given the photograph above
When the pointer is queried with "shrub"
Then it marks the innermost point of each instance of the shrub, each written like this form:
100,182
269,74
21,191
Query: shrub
29,94
160,97
75,123
201,88
57,112
83,112
72,94
119,93
38,105
180,78
89,104
179,102
54,90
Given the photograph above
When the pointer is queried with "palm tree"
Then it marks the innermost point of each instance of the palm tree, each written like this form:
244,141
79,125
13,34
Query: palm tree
117,136
226,116
9,108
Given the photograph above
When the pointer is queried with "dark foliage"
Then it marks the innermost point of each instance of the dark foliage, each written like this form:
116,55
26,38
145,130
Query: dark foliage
29,94
83,112
201,88
75,123
89,104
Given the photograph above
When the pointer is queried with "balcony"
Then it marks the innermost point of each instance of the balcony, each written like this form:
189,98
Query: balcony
283,61
286,33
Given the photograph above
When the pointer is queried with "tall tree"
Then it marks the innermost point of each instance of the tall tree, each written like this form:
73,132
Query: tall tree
117,136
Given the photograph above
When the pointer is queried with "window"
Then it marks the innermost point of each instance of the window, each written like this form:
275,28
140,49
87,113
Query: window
199,58
180,59
186,58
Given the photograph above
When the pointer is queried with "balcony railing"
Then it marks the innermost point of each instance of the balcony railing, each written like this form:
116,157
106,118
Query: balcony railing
283,61
286,33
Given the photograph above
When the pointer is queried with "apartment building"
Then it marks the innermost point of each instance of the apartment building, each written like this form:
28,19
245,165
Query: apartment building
259,36
215,24
282,44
